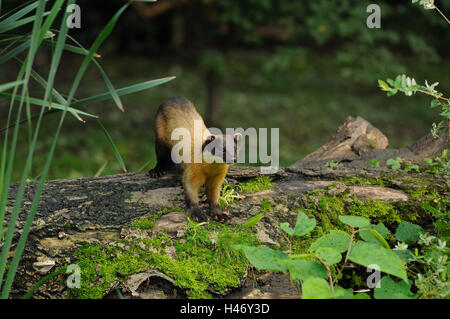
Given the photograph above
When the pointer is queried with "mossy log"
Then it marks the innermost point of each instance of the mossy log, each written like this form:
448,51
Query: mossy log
101,210
97,210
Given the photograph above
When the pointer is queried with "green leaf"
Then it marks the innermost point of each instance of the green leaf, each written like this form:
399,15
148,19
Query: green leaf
383,85
264,258
435,103
336,239
407,232
316,288
301,269
374,163
367,254
329,255
304,224
253,221
371,237
287,229
362,295
394,163
355,221
341,293
404,254
390,289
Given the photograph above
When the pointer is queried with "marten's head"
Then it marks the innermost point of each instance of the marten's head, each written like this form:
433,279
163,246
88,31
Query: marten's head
223,148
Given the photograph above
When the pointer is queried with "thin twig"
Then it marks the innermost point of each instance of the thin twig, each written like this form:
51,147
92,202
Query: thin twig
442,14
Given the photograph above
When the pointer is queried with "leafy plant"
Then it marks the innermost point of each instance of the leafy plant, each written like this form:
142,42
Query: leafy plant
375,163
14,42
329,254
331,164
394,163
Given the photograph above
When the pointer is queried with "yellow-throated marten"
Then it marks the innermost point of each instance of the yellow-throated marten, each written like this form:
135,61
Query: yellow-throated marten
209,168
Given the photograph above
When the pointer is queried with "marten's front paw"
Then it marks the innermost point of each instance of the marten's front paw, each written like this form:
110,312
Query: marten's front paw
156,172
197,214
219,215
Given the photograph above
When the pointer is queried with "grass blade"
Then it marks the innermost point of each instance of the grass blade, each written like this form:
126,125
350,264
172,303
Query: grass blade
126,90
113,146
10,85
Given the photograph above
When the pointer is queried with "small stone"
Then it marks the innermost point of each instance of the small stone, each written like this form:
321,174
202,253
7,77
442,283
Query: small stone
171,223
43,266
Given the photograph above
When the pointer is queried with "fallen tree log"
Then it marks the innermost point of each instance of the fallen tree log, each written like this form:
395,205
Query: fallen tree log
101,211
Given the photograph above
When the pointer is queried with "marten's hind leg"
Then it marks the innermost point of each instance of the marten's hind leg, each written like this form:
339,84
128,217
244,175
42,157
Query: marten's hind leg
164,161
213,188
192,181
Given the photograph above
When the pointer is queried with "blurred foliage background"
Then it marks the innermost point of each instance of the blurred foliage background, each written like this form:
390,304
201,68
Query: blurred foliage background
301,66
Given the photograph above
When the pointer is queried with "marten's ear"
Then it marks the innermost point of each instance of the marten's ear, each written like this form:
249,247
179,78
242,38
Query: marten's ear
209,139
237,137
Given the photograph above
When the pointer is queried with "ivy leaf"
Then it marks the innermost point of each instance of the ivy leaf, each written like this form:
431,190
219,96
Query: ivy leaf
355,221
407,232
367,254
264,258
304,224
301,269
336,239
390,289
329,255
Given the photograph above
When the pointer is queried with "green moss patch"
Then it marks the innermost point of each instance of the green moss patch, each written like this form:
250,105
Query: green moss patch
256,184
204,262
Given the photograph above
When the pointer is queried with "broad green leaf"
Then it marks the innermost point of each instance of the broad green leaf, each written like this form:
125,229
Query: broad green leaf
361,295
390,289
316,288
367,254
376,235
287,229
301,269
304,224
404,254
264,258
253,221
355,221
329,255
336,239
407,232
341,293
